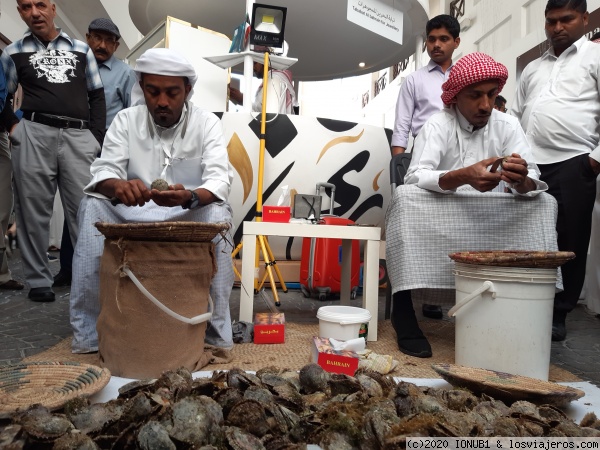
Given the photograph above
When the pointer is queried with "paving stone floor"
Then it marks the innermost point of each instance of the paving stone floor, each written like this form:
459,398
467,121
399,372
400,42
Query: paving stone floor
27,328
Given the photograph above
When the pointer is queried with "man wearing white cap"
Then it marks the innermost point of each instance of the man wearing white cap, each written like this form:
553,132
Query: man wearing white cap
168,138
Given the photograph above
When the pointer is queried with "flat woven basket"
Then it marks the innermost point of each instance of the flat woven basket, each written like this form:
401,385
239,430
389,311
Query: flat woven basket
514,258
163,231
507,387
50,384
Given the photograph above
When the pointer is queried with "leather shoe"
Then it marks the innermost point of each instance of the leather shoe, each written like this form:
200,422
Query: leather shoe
418,347
410,338
62,278
41,294
432,311
12,285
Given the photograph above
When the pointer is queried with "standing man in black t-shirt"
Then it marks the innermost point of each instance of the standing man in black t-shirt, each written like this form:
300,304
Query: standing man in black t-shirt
64,116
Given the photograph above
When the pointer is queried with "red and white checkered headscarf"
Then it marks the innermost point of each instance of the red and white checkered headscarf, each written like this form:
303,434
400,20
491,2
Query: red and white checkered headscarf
471,69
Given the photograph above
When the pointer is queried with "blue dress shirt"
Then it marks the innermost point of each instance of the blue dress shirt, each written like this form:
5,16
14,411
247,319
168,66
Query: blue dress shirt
118,79
420,97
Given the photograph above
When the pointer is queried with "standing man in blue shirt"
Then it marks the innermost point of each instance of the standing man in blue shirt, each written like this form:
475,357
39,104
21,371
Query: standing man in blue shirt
420,98
421,93
118,79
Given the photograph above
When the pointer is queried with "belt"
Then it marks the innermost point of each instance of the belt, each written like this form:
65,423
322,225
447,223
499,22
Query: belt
56,121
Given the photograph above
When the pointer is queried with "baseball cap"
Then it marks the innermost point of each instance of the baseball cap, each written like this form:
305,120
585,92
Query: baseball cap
103,24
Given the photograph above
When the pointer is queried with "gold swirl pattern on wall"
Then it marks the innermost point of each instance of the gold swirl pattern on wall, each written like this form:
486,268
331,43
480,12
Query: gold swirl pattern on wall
339,140
376,181
239,159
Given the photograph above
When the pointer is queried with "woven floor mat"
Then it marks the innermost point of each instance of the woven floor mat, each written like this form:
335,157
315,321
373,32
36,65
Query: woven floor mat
295,353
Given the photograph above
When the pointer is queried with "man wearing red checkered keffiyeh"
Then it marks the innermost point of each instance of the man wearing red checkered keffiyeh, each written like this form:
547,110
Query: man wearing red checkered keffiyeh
468,144
471,69
458,145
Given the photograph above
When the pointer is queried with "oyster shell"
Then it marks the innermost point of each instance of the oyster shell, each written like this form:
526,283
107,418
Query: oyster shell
239,439
43,426
313,379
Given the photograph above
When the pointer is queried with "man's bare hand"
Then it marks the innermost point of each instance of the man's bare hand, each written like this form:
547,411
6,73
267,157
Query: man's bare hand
176,195
480,178
477,175
131,193
514,170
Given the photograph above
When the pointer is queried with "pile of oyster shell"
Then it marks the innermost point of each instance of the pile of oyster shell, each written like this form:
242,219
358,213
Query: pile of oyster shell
279,409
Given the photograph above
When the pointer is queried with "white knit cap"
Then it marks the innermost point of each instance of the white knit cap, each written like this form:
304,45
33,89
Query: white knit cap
162,61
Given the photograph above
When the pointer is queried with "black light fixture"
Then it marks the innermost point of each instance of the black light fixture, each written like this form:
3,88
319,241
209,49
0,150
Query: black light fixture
268,25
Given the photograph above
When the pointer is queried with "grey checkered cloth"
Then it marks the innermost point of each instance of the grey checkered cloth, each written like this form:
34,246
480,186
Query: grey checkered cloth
423,227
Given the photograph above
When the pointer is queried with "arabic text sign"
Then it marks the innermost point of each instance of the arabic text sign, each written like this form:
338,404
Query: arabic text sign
378,17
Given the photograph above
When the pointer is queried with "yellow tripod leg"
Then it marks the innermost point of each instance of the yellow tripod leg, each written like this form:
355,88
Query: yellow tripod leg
268,267
236,250
274,263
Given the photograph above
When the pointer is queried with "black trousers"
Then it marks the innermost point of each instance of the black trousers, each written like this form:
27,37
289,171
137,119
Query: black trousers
66,251
573,184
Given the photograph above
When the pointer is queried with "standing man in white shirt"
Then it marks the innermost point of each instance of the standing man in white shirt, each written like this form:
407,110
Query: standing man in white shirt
420,95
558,104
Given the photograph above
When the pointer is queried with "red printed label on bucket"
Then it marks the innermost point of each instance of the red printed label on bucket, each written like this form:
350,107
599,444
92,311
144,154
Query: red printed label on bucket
364,331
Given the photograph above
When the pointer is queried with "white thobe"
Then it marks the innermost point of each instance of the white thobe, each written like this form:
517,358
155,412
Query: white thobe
448,142
192,153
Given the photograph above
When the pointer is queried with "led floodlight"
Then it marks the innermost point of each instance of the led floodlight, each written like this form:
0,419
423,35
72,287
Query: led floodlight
268,25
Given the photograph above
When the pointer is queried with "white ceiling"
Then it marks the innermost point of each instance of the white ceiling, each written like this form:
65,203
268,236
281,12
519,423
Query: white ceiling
326,44
74,16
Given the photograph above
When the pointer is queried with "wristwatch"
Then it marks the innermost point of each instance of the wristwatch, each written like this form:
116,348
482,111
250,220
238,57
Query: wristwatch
193,202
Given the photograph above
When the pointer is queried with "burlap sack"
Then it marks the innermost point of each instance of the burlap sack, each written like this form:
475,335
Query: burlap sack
136,339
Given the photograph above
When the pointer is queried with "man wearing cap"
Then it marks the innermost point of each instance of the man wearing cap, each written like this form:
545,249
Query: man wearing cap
167,138
118,79
455,148
64,116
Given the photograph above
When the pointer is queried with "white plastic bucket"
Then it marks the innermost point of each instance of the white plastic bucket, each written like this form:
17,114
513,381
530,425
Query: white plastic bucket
343,322
504,318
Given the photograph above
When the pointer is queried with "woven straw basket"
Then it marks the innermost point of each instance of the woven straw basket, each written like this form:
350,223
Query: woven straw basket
514,258
163,231
50,384
507,387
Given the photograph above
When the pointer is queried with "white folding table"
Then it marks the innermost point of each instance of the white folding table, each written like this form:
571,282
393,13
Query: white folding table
371,236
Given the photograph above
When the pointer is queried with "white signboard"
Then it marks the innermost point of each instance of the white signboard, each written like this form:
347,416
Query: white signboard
378,17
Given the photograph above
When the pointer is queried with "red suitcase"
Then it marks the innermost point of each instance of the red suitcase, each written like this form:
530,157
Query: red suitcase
321,263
